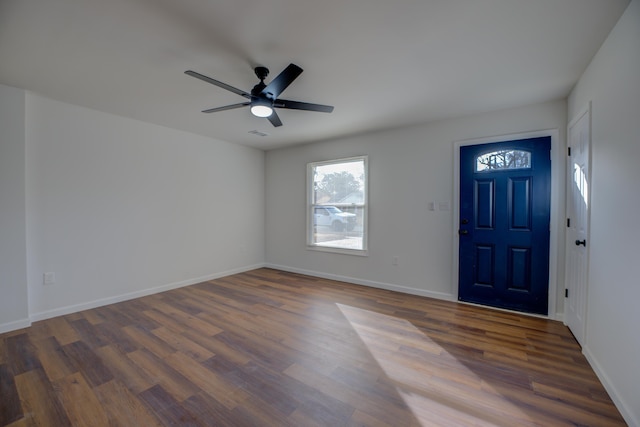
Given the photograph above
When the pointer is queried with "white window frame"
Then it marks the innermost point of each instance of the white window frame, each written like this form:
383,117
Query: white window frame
311,205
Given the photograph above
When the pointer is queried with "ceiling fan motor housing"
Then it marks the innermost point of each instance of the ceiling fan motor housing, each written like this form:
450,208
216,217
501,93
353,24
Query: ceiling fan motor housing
261,72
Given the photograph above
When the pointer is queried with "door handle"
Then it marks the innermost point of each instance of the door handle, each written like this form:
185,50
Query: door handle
462,232
581,242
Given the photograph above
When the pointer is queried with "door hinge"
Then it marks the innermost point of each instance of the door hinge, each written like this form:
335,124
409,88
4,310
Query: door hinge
568,222
566,293
568,151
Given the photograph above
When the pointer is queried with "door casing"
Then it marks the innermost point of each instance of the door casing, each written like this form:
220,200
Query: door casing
557,230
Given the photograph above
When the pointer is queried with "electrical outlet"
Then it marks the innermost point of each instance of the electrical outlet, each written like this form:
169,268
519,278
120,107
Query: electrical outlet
394,260
49,278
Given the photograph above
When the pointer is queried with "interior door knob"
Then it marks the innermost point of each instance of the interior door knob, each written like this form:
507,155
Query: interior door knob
581,242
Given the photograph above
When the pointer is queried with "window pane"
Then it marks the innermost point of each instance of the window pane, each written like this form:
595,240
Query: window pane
503,159
338,211
339,183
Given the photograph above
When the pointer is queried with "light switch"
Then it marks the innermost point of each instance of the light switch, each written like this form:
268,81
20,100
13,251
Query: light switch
49,278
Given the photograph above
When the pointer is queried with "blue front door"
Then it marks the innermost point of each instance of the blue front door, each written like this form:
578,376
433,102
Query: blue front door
505,193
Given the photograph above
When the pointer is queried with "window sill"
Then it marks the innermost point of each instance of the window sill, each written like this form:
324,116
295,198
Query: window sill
356,252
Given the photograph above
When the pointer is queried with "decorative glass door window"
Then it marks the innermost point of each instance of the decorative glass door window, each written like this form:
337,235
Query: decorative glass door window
503,160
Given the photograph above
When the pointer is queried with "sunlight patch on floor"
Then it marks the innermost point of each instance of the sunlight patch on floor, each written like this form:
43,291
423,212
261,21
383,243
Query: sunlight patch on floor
418,372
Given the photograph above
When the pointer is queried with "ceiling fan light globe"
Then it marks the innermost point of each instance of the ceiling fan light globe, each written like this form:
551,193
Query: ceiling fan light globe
261,110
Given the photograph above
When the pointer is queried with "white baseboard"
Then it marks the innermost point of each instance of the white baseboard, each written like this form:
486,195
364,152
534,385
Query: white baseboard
15,325
364,282
623,407
124,297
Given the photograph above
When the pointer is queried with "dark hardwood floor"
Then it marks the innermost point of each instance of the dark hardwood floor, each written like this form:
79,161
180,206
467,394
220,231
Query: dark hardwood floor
269,348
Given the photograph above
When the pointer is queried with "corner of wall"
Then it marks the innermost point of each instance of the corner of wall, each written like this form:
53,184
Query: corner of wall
14,307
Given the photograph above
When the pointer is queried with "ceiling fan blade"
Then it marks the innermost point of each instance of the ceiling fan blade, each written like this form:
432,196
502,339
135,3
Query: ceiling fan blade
282,81
218,83
274,119
296,105
226,107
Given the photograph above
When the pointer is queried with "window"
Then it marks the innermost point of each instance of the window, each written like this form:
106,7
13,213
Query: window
337,207
503,159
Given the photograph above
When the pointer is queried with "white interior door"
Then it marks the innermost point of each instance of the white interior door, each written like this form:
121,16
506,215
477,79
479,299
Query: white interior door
578,208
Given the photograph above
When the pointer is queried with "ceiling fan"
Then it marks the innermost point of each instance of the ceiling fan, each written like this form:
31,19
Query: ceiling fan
263,98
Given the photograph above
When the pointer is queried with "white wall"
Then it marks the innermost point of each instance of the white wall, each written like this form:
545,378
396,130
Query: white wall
407,168
118,208
612,84
13,252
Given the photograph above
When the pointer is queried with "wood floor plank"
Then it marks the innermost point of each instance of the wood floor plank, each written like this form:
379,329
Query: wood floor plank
160,373
93,316
182,343
61,329
186,320
80,402
54,360
169,411
370,405
21,354
40,402
165,321
129,313
210,412
362,419
10,407
147,340
88,363
88,333
220,348
113,335
224,391
124,369
272,348
127,410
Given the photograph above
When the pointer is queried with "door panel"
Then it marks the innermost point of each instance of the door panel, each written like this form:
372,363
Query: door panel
519,269
519,203
504,224
485,204
485,273
578,206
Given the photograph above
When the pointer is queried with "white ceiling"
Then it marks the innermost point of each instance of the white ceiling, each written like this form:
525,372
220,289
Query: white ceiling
381,63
